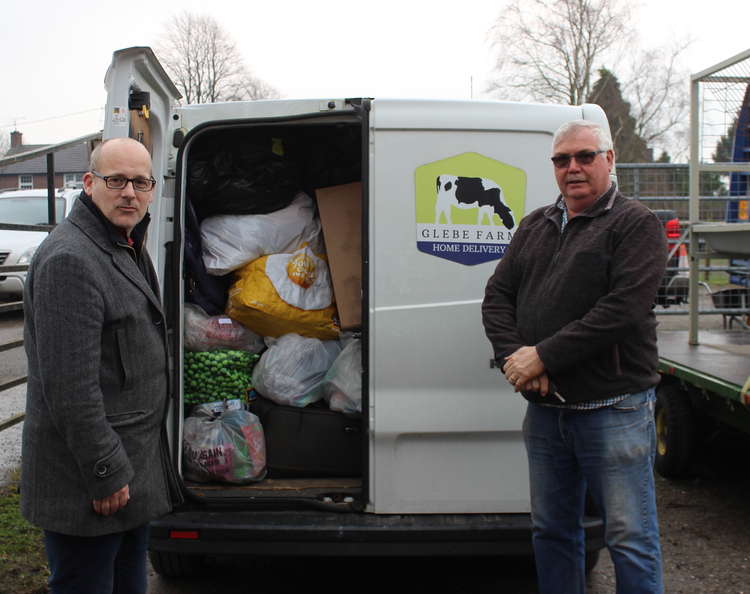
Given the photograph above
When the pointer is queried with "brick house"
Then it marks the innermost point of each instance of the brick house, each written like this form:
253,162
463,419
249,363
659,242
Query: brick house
70,163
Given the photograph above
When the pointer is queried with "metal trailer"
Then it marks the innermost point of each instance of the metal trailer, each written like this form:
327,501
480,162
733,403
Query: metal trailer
706,379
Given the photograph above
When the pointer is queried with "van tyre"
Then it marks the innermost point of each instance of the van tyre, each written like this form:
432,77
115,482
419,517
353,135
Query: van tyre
176,565
675,431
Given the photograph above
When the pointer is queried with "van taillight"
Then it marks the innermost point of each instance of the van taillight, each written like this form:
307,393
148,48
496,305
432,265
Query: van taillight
672,226
184,534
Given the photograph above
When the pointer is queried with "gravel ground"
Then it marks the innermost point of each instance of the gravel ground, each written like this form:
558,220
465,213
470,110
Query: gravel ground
703,523
12,402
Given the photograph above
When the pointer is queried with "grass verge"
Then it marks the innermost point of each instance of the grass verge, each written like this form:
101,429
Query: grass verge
23,565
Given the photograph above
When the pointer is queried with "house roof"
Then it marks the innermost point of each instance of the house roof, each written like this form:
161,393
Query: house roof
24,148
70,159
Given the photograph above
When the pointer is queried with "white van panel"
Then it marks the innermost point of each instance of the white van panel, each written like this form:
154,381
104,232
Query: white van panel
445,426
193,115
463,116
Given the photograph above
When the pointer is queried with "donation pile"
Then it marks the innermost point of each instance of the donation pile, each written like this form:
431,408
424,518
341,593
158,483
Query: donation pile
279,337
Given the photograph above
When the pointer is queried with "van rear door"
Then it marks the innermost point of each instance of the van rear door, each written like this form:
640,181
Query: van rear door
449,184
141,104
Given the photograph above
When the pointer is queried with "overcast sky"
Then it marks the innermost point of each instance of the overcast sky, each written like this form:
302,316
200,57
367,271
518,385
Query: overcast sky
55,54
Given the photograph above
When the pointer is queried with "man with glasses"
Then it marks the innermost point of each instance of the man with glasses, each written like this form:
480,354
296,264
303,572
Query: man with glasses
569,313
95,469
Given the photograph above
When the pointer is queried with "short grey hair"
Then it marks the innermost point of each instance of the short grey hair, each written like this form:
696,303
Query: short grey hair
603,137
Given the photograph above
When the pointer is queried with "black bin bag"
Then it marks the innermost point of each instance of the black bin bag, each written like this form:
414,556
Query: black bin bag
201,288
229,174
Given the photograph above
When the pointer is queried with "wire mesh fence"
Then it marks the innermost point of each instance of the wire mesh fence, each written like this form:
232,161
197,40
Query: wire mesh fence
724,281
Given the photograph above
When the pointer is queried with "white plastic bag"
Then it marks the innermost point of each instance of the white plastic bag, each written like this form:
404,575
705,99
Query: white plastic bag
342,386
208,333
231,241
292,367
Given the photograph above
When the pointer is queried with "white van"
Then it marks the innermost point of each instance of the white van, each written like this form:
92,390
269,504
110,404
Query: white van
443,187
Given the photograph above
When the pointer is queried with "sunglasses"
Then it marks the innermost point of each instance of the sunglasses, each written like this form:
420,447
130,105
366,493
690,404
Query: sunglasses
581,157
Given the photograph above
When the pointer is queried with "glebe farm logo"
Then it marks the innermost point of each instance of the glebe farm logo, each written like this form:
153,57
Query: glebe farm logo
468,207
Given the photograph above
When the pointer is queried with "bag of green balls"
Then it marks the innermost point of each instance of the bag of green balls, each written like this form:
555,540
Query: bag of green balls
217,375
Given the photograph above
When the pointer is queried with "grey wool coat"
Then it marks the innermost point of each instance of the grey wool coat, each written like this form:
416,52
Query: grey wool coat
96,344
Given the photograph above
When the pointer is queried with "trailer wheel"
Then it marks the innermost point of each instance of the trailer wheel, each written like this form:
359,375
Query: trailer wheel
176,565
675,431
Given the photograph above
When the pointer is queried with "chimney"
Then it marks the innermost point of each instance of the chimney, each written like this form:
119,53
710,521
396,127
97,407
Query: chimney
16,139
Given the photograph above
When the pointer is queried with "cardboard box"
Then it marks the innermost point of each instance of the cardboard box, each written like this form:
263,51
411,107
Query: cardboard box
340,210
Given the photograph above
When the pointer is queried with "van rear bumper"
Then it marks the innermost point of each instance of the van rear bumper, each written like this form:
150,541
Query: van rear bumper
316,533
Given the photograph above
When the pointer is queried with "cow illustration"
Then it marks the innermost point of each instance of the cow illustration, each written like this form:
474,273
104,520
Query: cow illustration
471,192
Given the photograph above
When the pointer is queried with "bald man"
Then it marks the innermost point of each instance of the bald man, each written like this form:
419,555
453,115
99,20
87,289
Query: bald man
95,468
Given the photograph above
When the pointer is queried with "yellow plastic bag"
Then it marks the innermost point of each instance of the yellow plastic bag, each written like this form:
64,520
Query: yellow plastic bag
283,293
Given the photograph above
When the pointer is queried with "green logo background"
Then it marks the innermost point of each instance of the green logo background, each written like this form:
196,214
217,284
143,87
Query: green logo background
511,179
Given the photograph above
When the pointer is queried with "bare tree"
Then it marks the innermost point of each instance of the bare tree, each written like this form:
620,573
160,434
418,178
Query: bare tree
658,90
549,50
4,141
205,64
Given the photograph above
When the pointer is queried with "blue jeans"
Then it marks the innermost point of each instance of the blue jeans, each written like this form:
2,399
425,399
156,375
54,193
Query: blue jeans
610,451
108,564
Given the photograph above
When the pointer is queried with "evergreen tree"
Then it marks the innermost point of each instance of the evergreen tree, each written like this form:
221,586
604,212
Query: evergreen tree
629,146
725,144
664,158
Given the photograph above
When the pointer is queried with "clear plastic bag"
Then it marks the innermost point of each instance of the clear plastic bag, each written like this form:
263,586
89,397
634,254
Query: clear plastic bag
208,333
228,446
292,367
231,241
342,386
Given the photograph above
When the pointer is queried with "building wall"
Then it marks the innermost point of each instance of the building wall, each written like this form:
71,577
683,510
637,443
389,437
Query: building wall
39,180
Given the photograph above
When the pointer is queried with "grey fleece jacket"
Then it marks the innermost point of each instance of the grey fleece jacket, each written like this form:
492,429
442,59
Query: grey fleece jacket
584,298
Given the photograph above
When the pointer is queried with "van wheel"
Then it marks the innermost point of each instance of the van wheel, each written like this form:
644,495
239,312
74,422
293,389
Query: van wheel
176,565
675,431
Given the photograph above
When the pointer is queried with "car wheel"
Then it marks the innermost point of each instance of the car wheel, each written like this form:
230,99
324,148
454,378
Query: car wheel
675,431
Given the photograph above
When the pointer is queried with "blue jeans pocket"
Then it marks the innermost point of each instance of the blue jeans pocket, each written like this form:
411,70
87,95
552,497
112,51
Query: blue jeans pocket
637,401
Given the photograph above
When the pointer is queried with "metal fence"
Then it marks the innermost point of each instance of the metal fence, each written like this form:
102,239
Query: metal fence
49,154
14,306
664,188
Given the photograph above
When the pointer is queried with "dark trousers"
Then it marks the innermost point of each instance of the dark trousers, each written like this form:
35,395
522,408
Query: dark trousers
108,564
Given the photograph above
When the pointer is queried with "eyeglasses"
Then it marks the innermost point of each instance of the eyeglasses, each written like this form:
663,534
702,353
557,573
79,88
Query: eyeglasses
581,157
118,182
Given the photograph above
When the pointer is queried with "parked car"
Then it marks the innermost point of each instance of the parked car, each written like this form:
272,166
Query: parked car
674,287
26,207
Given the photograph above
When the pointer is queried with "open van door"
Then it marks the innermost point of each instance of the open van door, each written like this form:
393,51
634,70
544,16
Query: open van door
141,99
